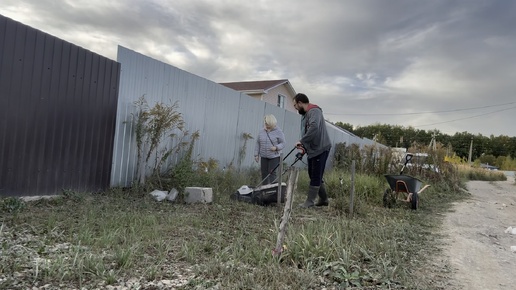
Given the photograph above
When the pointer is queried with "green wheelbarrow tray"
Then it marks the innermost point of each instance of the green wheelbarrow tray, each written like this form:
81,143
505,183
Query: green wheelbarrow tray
403,183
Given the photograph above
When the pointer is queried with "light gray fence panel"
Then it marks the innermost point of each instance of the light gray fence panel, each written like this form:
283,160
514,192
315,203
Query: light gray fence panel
124,151
157,82
221,115
333,134
220,122
292,130
250,121
192,104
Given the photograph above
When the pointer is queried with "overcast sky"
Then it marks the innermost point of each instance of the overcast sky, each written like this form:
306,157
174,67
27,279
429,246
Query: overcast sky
441,64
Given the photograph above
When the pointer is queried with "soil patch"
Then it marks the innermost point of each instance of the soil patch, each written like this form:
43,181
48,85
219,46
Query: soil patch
477,250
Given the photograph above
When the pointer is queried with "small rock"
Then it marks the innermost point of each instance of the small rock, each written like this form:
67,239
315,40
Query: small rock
159,195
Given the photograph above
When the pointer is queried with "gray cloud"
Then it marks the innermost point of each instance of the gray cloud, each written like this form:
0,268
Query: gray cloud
351,57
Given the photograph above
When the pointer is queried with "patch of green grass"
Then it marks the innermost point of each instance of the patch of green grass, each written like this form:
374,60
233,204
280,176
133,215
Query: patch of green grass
473,173
94,240
11,205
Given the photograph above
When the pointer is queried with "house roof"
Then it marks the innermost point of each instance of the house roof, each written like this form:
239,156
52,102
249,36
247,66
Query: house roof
259,86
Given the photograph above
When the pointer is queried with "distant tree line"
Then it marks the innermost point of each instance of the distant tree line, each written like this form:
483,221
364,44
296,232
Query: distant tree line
484,147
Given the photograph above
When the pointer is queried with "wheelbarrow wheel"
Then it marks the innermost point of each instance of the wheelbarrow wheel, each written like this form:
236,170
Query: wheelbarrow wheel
388,198
414,201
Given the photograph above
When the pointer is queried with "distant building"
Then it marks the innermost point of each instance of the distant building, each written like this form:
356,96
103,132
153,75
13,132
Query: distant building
276,92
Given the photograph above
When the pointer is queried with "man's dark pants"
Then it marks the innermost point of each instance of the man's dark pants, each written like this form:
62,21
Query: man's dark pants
316,167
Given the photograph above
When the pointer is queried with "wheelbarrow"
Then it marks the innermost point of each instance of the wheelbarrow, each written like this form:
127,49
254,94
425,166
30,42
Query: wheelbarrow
404,188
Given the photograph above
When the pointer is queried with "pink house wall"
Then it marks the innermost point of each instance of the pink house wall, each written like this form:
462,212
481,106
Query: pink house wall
272,97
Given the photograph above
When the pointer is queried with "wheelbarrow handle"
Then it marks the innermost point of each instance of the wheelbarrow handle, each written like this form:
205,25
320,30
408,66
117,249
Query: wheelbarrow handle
408,157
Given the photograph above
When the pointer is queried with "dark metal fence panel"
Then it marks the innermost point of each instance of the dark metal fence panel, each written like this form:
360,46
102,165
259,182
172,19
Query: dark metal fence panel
57,114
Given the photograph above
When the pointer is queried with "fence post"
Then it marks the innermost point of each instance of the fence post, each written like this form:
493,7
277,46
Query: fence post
352,193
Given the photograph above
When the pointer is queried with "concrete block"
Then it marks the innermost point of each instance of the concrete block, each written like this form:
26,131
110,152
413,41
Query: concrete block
198,194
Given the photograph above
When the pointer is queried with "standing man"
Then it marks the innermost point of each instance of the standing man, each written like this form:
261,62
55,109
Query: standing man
317,144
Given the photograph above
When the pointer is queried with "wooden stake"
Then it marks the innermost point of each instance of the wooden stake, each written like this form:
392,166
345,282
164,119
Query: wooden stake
352,194
291,187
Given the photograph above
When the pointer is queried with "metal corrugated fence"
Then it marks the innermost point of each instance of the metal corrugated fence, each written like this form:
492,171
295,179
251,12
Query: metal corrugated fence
57,113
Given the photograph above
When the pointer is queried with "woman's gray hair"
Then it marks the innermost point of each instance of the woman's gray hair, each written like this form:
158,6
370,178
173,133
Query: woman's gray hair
270,120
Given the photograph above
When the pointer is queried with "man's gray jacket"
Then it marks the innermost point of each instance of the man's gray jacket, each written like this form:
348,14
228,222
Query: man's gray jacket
315,136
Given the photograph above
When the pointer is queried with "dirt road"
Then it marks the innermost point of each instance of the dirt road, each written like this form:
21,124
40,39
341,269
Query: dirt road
477,250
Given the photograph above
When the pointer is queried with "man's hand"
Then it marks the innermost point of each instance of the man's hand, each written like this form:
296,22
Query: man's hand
256,158
299,144
274,148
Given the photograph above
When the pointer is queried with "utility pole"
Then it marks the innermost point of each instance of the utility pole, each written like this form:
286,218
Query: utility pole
470,151
432,142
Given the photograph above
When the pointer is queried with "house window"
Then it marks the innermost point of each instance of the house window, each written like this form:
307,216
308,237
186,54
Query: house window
281,101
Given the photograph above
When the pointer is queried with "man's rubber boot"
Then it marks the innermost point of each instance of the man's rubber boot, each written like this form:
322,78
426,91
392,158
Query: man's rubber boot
310,199
323,197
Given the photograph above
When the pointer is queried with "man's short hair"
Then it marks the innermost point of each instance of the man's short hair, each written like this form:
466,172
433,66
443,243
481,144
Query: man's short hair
301,98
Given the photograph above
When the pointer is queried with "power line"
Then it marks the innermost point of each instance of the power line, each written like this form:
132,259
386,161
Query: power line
471,117
424,112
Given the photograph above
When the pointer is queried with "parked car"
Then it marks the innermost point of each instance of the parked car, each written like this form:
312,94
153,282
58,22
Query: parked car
488,167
